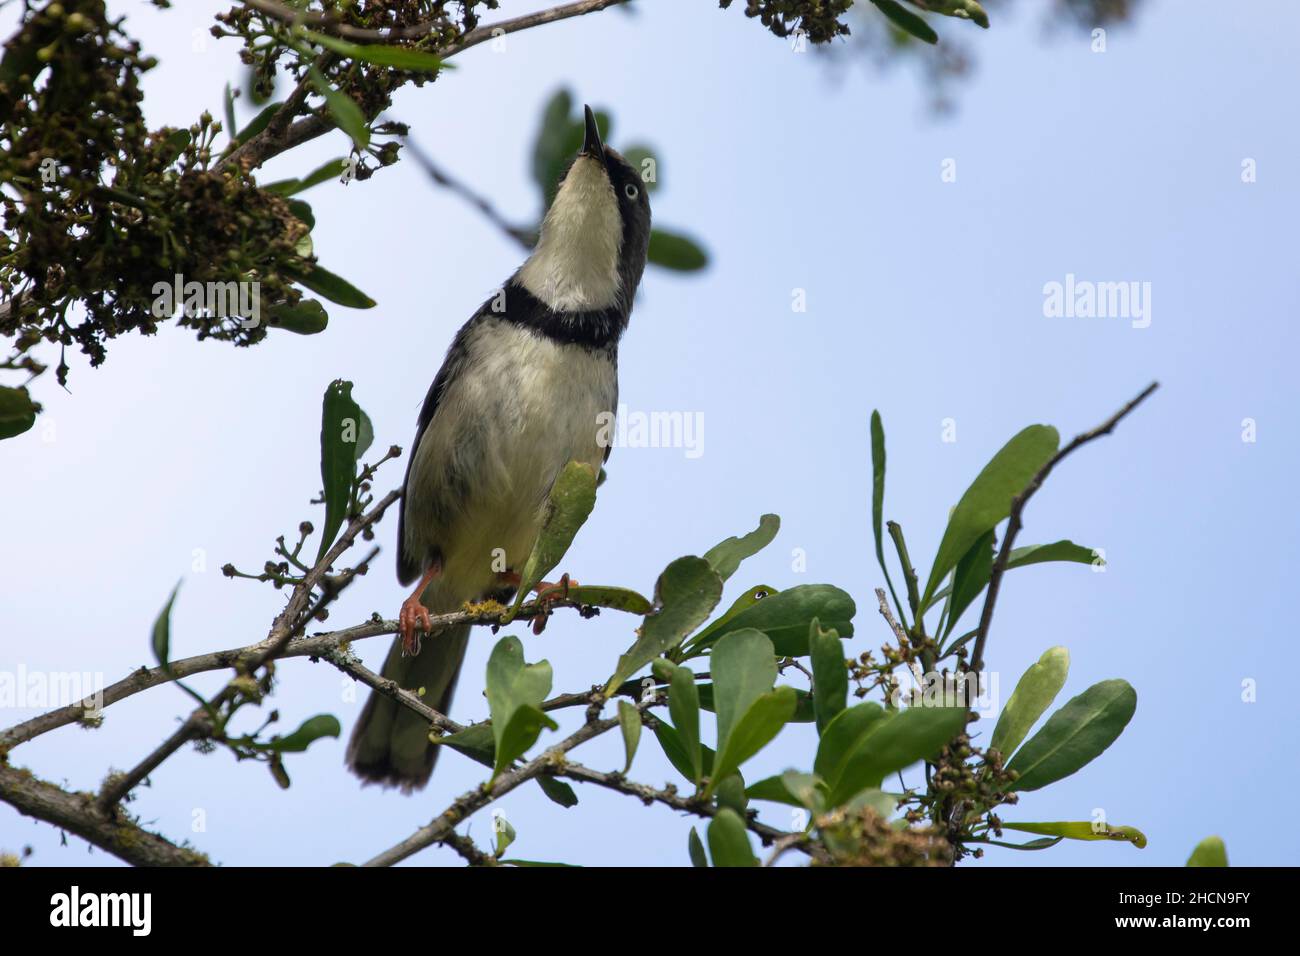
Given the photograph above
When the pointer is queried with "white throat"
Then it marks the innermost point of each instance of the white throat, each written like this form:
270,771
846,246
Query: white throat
575,265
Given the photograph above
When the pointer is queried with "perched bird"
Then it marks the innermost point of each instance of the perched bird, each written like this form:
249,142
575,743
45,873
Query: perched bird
525,388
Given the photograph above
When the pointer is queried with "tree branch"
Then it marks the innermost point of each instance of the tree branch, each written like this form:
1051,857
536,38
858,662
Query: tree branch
268,144
77,813
327,23
1018,506
469,803
671,798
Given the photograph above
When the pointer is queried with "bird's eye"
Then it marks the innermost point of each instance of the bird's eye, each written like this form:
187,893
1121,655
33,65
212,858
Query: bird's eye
630,191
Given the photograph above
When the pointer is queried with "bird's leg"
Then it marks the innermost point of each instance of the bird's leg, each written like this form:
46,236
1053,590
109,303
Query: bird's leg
555,592
543,589
547,593
414,613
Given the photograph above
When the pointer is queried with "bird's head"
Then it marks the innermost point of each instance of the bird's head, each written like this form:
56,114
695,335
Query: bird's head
592,248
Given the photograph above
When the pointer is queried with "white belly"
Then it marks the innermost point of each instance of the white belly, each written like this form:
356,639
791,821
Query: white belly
521,408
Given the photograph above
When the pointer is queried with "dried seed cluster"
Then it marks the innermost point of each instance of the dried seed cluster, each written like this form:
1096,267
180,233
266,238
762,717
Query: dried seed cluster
821,20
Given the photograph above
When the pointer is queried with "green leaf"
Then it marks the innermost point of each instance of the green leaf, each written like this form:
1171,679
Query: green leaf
792,788
335,288
344,109
685,594
1044,843
1082,830
291,187
571,499
676,251
162,631
17,411
476,741
727,555
505,834
785,617
229,105
907,21
969,579
278,772
890,744
176,142
719,625
743,665
1035,692
381,54
962,9
306,318
629,719
340,428
684,709
515,692
1209,852
830,675
539,863
257,124
671,743
1075,734
730,792
988,500
1033,554
696,850
310,731
551,149
804,712
754,730
558,141
620,599
302,211
878,499
1058,551
884,804
557,791
840,738
729,841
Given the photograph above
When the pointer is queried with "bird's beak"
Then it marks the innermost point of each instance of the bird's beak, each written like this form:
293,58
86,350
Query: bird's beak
591,144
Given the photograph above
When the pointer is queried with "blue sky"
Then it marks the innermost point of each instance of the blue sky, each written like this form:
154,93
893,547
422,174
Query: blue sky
924,299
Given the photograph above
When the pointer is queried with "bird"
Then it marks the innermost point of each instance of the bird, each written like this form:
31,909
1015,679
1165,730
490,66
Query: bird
527,386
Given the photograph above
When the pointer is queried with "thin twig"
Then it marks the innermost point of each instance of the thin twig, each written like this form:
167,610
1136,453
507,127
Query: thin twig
289,623
1014,520
467,804
118,785
669,797
526,237
241,658
526,22
465,847
265,145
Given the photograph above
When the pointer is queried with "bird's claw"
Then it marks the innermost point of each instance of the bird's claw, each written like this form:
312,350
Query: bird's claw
548,594
412,616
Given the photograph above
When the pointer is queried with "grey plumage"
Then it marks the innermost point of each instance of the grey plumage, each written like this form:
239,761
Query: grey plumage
524,389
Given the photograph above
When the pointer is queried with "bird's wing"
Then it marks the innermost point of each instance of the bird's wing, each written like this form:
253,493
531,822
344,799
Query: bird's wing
410,566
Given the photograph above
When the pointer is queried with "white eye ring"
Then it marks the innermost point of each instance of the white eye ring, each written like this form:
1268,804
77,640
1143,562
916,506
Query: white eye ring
630,191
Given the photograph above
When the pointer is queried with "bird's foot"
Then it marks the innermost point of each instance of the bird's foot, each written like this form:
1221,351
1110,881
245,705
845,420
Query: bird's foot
548,594
412,616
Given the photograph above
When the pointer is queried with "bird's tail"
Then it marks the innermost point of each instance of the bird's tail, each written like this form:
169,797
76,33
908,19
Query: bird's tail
390,743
